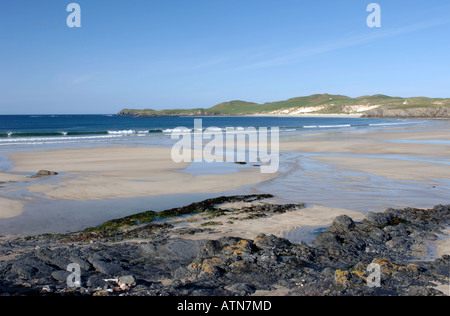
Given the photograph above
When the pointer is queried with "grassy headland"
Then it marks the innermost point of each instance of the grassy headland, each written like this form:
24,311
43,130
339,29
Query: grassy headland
369,106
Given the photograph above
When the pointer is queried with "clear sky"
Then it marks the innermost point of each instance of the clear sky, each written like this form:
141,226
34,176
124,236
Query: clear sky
197,53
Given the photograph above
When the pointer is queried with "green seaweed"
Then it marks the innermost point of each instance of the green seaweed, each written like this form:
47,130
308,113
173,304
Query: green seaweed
132,220
211,224
207,206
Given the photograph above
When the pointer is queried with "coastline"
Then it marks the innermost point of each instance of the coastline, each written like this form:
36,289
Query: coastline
307,115
219,156
324,212
348,164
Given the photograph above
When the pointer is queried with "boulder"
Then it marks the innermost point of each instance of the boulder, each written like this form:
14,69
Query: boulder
44,173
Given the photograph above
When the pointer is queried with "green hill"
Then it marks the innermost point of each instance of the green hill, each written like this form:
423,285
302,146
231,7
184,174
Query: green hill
369,106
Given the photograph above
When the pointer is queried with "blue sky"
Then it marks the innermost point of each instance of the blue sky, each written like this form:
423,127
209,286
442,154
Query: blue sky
197,53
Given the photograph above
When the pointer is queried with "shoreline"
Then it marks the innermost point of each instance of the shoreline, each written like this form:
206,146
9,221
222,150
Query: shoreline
357,168
312,229
306,115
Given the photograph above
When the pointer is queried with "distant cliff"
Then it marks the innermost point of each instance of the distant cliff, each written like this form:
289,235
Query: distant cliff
366,106
439,112
153,113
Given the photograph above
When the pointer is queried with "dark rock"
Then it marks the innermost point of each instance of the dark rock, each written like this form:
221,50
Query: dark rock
23,270
44,173
426,112
84,265
61,275
97,282
107,268
242,289
179,250
343,223
53,258
334,264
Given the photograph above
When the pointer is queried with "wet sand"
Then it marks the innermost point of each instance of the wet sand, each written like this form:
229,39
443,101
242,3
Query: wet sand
443,243
277,225
368,146
123,172
9,177
391,168
10,208
340,173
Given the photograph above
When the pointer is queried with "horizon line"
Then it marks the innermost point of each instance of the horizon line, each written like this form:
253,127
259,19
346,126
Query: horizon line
201,108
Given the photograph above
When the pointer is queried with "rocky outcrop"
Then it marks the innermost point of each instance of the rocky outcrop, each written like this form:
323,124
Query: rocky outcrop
44,173
336,263
137,113
429,112
164,113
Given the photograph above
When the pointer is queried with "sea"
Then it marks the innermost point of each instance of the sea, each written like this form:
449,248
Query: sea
297,182
30,131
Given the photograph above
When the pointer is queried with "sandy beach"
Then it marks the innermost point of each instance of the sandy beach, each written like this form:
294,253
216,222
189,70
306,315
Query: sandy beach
9,177
379,154
363,146
122,172
10,208
318,209
115,172
277,225
309,115
391,168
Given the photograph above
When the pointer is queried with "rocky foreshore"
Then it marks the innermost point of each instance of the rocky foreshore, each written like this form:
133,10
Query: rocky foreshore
147,254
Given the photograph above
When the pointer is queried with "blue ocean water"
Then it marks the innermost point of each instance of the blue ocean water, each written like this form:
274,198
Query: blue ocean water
29,130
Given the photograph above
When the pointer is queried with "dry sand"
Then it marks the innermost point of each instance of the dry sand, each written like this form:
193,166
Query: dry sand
120,172
10,208
278,225
306,115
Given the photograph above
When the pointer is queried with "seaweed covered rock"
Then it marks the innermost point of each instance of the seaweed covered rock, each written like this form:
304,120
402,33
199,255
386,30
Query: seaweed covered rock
134,261
44,173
